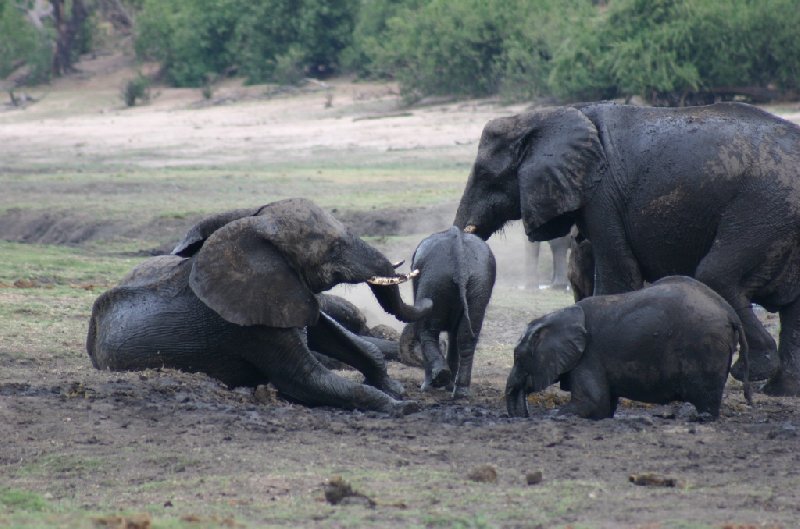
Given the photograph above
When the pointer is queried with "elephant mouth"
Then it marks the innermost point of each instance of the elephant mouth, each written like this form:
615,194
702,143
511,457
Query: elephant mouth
392,280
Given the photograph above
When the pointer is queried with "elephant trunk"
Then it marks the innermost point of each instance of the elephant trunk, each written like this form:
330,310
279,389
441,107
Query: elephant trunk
390,300
516,393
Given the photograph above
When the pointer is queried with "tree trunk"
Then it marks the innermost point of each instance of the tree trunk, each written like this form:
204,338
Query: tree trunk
67,28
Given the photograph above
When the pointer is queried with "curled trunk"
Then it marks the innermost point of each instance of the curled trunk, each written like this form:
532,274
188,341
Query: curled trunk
516,393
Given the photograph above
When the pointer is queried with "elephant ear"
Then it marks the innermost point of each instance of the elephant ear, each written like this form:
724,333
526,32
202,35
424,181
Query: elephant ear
197,234
558,158
246,279
559,347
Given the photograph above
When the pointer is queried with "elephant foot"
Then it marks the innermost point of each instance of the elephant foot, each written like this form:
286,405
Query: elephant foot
440,377
400,408
391,387
783,384
461,392
763,365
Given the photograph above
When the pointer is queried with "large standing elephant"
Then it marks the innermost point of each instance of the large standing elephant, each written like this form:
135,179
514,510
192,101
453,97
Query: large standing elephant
711,192
234,300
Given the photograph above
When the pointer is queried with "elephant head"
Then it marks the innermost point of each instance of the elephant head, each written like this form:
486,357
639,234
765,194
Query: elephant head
264,266
538,166
551,346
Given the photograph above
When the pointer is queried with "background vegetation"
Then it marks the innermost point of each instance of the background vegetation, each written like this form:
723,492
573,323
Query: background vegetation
662,50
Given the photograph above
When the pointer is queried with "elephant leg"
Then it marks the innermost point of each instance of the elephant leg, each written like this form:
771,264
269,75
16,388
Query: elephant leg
786,382
713,271
452,355
390,349
293,370
616,268
532,250
437,374
330,338
559,248
591,398
465,345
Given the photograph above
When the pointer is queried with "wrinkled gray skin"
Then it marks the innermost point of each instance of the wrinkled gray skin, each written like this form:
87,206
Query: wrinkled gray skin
457,272
670,341
559,248
710,192
235,298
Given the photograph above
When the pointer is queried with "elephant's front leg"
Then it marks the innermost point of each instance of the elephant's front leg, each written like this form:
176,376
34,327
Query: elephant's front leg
591,397
330,338
616,268
292,369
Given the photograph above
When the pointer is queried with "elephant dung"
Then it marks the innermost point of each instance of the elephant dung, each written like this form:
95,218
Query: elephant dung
534,478
339,492
654,480
483,474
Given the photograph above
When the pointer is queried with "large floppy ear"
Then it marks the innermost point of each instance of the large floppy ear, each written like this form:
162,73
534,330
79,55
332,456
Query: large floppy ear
247,280
558,347
558,156
197,234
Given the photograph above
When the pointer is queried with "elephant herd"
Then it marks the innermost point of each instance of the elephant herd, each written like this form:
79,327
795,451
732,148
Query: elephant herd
710,193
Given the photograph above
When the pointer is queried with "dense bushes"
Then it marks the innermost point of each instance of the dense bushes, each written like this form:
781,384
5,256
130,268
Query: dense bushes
663,50
266,40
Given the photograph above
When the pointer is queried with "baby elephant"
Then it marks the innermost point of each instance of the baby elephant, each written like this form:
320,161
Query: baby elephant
457,272
670,341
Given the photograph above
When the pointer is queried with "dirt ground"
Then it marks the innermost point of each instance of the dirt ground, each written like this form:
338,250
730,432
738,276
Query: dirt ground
83,448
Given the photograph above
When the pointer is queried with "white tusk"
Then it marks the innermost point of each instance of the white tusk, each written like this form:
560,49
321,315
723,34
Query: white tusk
395,280
399,263
471,229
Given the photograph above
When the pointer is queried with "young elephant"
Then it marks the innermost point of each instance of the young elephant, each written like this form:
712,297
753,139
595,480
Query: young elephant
457,272
670,341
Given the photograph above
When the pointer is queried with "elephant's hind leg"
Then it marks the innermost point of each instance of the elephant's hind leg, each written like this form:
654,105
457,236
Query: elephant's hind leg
786,382
332,339
294,371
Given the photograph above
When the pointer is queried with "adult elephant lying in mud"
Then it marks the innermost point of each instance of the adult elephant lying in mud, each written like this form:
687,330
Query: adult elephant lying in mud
235,297
710,192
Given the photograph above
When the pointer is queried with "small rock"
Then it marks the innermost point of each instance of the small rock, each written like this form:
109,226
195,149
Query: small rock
534,478
483,474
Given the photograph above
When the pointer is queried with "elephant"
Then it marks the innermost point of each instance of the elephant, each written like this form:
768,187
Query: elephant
672,340
559,248
235,298
457,273
709,192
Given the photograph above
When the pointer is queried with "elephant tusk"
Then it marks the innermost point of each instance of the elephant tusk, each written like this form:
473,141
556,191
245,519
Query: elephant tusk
398,264
395,280
471,229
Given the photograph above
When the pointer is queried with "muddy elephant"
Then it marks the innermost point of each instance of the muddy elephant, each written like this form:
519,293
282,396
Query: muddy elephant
710,192
671,341
457,272
235,298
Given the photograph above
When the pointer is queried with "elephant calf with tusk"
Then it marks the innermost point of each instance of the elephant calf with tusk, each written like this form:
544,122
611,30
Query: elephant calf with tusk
233,301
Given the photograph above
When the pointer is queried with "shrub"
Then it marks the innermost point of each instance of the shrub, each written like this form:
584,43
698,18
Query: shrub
21,44
136,89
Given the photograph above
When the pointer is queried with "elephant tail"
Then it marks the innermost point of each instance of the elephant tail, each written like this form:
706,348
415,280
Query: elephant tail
744,354
462,275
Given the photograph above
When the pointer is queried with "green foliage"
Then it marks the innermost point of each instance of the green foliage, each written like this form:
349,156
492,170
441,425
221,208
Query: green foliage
444,47
22,45
190,39
136,89
573,49
21,500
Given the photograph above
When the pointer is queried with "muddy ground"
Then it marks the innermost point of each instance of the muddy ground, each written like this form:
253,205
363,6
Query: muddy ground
82,448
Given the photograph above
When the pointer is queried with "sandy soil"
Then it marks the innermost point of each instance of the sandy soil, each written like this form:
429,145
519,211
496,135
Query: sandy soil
186,450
